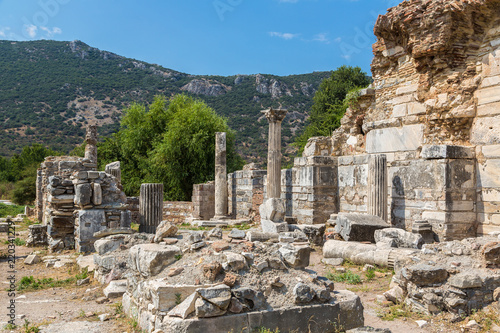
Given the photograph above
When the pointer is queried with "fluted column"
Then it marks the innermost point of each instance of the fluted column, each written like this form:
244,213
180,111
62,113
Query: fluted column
377,183
275,117
91,147
115,170
150,207
220,176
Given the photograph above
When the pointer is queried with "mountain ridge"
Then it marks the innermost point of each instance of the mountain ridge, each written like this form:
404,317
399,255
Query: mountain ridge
49,91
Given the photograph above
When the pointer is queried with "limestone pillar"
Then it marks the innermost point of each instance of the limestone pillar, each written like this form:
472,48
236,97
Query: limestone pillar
377,186
91,147
39,196
220,176
275,117
150,207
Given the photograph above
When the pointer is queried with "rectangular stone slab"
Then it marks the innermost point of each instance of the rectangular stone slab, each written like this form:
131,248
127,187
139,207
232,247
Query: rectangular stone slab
346,312
359,227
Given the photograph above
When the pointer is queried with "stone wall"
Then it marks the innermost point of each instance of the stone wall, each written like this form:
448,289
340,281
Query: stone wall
133,206
246,193
353,183
204,201
177,212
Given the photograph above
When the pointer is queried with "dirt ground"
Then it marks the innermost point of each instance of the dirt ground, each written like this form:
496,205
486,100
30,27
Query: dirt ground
77,305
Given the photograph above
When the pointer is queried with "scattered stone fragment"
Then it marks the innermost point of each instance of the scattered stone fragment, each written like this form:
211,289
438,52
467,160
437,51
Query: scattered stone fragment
395,237
195,236
236,261
276,263
277,283
424,275
102,300
323,295
220,246
108,244
215,233
211,270
359,227
314,232
491,253
185,308
205,309
32,259
248,255
251,299
496,294
303,293
236,233
472,324
219,295
368,267
81,282
422,323
235,306
151,259
295,256
286,239
175,271
115,289
198,245
165,229
104,316
230,279
260,266
395,294
170,241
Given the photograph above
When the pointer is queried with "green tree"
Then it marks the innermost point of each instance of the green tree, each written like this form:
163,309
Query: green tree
329,102
171,142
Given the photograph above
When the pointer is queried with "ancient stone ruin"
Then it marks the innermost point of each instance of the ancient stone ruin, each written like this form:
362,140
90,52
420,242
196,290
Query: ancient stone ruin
409,181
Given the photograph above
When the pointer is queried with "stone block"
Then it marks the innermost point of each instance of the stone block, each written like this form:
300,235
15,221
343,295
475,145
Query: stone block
359,227
295,256
486,110
492,151
83,193
346,313
416,108
465,280
488,95
32,259
115,289
383,140
489,174
97,194
447,151
185,308
271,227
486,131
165,229
395,237
425,275
407,89
109,244
163,295
151,259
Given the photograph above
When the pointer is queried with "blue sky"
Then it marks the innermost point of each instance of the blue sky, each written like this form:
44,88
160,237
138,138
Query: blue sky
219,37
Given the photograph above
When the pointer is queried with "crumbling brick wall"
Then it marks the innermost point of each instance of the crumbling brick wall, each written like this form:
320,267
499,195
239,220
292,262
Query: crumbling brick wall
177,211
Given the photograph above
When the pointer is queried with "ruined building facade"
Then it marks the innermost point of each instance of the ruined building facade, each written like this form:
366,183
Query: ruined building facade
433,110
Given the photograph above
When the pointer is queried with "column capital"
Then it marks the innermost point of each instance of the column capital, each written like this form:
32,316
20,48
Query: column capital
275,115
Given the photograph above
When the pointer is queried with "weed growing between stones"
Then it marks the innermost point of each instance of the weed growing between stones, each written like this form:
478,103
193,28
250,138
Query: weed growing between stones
486,318
18,242
27,328
394,312
347,277
29,283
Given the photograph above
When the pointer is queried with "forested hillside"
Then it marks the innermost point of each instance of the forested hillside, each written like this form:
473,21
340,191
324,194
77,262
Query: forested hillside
49,90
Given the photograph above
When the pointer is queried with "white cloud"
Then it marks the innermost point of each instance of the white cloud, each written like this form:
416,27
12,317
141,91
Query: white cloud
286,35
31,30
322,38
337,40
3,31
51,32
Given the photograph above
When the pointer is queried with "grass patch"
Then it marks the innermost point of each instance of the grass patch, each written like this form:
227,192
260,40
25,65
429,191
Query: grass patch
134,226
347,277
486,319
394,312
29,283
370,274
187,226
265,330
17,241
27,328
10,210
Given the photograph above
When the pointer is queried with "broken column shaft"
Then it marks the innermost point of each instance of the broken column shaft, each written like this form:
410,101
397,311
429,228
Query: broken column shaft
91,147
377,185
220,176
275,117
150,207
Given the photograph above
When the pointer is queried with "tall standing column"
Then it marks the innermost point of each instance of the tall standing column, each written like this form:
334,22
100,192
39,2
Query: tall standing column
220,176
275,117
91,147
377,182
150,207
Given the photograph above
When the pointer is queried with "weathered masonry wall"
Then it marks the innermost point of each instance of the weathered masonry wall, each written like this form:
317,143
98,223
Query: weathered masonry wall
353,183
177,211
310,189
204,201
246,193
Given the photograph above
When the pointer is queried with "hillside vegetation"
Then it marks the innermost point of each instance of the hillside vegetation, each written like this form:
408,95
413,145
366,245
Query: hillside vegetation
50,90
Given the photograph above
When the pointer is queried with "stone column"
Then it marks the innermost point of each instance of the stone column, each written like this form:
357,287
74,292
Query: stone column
220,176
272,210
115,170
275,117
150,207
91,147
39,196
377,186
